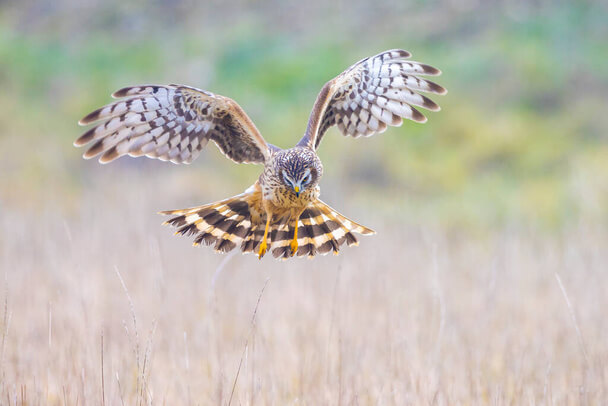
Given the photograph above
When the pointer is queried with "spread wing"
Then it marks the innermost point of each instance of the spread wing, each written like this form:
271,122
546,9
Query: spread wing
375,92
171,123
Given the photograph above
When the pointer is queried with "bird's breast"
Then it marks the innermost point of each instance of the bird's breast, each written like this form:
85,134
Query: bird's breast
283,197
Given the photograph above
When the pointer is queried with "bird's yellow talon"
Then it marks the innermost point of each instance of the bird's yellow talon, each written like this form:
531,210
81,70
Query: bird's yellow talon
264,244
294,247
263,249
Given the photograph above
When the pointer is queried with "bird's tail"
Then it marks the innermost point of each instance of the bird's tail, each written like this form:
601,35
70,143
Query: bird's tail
224,224
240,221
321,230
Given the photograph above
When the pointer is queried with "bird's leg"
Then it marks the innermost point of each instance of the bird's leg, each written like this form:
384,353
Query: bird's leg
264,244
294,242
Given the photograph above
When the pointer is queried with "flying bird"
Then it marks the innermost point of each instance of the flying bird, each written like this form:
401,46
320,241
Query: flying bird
281,212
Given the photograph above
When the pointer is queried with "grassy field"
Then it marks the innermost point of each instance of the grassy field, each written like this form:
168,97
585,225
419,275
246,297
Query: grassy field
414,315
486,282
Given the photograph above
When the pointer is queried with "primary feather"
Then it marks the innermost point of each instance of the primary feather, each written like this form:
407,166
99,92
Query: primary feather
171,123
370,95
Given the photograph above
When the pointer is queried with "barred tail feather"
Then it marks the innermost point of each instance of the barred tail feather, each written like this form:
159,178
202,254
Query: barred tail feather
239,222
224,224
321,230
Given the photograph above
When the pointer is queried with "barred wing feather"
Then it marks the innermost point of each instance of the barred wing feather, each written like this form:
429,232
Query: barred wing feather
375,92
171,123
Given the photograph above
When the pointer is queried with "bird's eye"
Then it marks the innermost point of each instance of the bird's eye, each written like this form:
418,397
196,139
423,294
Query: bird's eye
306,179
286,178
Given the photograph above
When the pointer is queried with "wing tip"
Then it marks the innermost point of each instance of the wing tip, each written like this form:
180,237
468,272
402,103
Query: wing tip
418,116
89,154
103,161
429,104
90,118
109,156
85,138
139,89
123,92
440,90
401,53
429,70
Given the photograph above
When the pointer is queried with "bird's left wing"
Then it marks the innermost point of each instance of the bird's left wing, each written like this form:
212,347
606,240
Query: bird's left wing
375,92
171,123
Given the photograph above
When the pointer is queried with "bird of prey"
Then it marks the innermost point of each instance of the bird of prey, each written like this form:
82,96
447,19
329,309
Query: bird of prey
281,212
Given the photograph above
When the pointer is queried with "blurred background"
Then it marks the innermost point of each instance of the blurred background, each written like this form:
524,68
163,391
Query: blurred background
521,139
518,157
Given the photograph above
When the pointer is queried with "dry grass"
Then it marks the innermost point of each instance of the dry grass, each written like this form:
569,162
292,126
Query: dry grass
412,316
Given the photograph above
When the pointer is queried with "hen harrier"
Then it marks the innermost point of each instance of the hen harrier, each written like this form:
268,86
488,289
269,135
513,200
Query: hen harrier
281,211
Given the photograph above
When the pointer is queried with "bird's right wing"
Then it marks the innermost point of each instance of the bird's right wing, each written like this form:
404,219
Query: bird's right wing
171,123
375,92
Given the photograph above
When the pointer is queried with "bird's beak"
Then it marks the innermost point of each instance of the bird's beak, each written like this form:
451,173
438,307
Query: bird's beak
297,190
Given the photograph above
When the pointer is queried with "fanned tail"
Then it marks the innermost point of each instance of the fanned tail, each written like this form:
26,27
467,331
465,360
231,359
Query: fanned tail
224,224
321,230
240,221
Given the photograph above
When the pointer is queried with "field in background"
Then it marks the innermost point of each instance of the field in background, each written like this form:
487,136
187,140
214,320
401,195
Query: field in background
486,282
414,315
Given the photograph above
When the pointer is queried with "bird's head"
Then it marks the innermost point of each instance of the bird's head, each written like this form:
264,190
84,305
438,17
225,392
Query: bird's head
298,182
300,169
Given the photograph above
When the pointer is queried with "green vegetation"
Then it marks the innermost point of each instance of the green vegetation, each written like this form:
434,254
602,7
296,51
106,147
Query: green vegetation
522,130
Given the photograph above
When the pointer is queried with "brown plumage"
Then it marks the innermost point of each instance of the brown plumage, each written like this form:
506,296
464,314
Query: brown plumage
281,211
